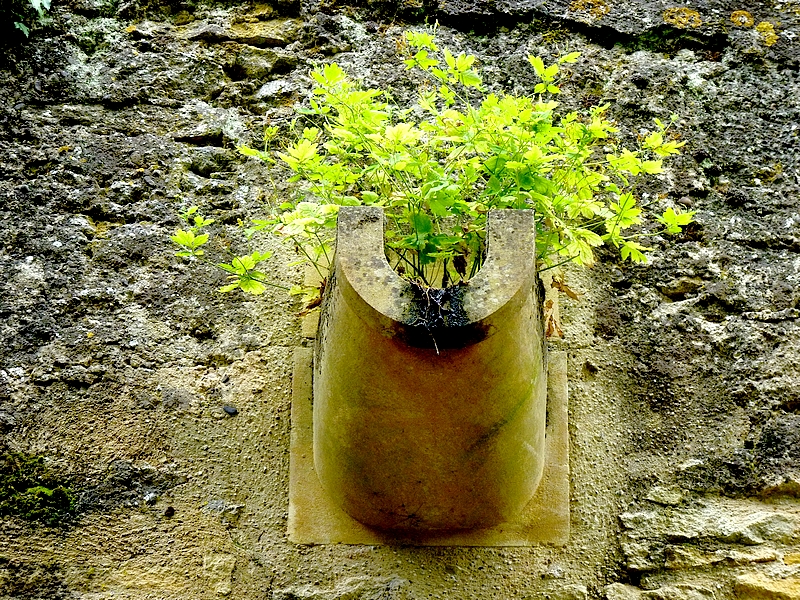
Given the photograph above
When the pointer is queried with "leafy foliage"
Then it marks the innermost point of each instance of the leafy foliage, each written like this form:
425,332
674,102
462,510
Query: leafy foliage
23,13
439,167
241,269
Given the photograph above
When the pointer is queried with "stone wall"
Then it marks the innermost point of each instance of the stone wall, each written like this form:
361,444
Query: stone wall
164,406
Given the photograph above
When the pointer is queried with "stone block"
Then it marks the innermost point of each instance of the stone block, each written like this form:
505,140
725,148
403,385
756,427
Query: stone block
760,587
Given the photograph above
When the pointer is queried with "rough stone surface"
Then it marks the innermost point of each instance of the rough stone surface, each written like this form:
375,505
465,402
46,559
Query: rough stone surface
618,591
755,587
116,358
351,588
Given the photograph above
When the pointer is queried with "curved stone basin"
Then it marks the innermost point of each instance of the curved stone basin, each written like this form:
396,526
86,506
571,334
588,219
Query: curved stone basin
430,405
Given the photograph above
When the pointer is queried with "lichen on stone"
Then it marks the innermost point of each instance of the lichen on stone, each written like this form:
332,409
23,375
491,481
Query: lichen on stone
767,31
596,8
742,18
682,17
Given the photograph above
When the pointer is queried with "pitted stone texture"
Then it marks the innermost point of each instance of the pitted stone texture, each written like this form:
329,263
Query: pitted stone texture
709,23
262,34
351,588
747,523
620,591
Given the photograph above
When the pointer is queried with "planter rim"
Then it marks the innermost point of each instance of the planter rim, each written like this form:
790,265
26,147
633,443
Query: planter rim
509,268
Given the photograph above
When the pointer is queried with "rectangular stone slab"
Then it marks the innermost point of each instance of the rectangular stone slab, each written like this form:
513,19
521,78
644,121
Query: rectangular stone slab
313,519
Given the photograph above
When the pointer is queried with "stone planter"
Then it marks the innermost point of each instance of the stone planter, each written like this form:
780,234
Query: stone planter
429,407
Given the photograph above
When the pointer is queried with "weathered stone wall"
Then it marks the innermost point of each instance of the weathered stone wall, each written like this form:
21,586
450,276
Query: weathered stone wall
117,361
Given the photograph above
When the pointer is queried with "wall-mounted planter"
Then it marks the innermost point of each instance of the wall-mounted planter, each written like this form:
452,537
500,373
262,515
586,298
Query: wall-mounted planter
429,408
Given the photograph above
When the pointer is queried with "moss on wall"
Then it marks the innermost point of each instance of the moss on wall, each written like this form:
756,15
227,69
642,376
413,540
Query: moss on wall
29,489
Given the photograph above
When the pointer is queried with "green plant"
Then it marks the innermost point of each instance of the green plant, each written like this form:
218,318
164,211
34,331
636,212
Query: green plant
242,270
22,13
438,167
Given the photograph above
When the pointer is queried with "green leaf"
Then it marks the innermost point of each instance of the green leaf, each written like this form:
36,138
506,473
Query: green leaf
538,65
252,152
449,59
368,198
251,286
470,79
654,140
633,251
304,151
331,75
420,39
229,268
200,221
259,257
570,58
625,213
421,223
669,148
422,59
464,62
183,238
651,166
589,236
675,220
495,164
550,72
439,74
310,133
242,264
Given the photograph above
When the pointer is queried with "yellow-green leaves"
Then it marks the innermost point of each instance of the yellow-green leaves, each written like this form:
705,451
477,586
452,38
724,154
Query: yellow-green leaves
658,143
331,75
655,142
437,169
459,69
402,134
570,57
674,221
300,154
625,213
421,39
189,242
546,74
307,219
633,251
599,126
246,151
244,275
422,60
